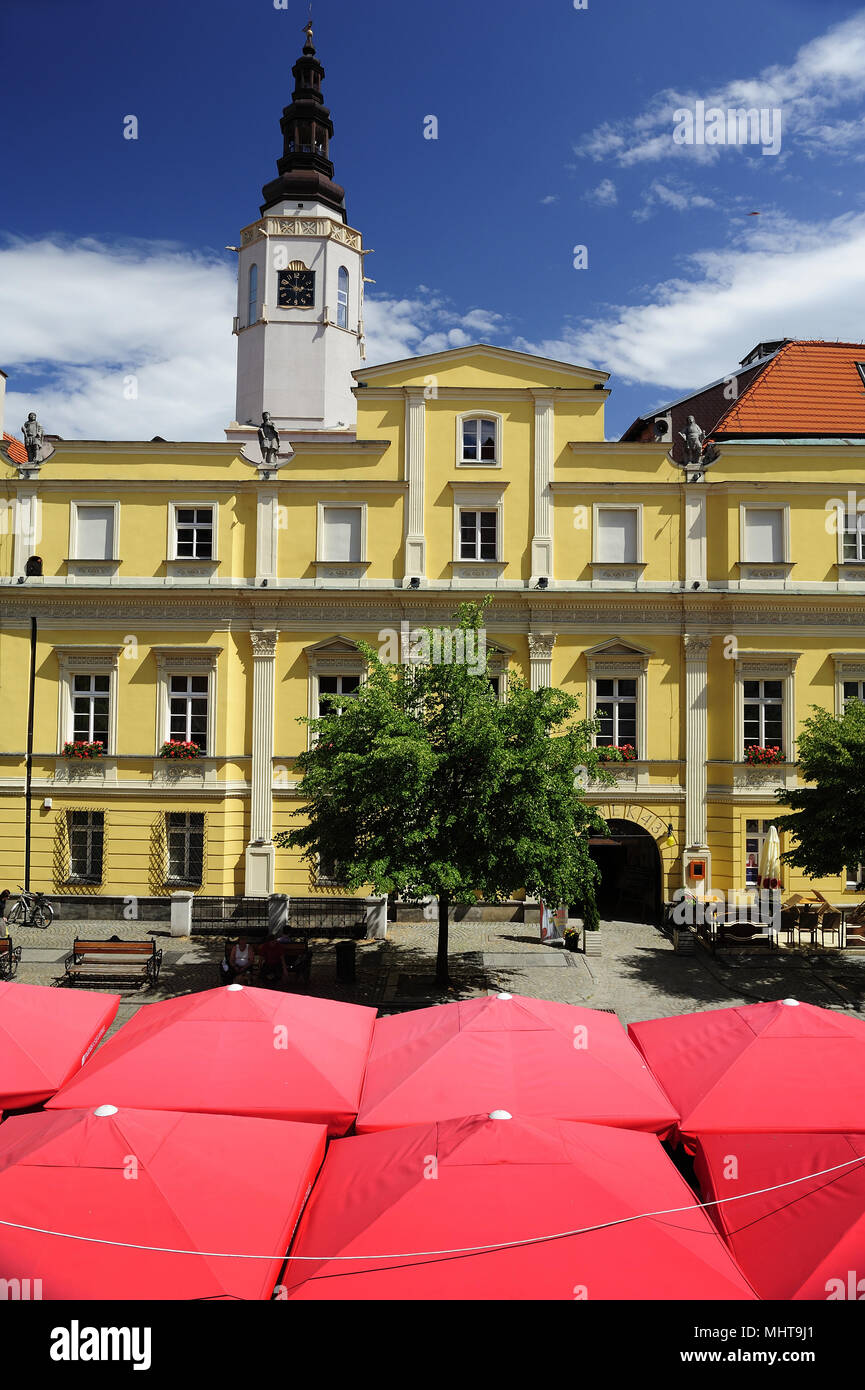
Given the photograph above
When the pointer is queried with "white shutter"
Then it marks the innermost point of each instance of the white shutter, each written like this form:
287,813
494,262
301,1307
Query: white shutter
764,535
341,533
617,536
95,533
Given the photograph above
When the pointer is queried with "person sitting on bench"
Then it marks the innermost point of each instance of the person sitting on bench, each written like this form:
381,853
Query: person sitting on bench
240,962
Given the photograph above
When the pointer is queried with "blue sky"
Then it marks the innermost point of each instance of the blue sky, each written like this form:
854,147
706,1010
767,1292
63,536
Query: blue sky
555,129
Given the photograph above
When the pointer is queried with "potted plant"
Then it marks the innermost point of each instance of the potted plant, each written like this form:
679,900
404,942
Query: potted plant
82,748
180,750
759,756
572,938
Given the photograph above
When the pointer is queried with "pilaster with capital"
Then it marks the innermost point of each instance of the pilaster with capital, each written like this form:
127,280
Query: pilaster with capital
542,539
541,659
259,852
415,450
696,736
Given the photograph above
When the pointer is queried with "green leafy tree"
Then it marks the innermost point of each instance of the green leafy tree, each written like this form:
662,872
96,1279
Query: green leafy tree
423,783
827,818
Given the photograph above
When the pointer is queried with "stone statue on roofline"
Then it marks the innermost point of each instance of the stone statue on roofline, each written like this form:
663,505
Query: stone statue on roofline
34,438
693,437
268,441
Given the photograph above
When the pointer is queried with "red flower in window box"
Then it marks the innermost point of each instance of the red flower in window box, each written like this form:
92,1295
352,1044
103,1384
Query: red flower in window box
82,749
623,753
180,750
758,755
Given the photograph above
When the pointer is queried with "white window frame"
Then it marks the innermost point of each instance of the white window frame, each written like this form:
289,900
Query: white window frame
849,666
617,700
335,656
852,881
185,661
498,421
342,306
763,825
843,517
481,497
617,569
477,513
619,659
340,505
175,878
188,697
767,666
173,508
252,306
86,661
784,509
115,530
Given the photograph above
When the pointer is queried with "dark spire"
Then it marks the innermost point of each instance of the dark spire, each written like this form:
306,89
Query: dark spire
305,171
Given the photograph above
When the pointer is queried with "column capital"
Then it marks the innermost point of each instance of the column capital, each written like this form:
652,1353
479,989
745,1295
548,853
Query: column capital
697,645
263,642
541,645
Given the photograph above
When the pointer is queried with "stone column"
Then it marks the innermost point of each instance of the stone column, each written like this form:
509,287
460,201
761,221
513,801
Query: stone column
696,747
542,540
260,855
415,448
541,659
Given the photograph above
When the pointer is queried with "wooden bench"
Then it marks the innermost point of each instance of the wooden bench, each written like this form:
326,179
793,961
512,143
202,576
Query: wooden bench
9,957
113,962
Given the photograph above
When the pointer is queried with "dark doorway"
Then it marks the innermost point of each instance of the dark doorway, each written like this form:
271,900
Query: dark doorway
630,865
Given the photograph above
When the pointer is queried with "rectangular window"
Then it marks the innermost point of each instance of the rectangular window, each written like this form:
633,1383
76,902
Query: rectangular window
764,535
617,536
755,833
854,690
335,685
854,536
763,714
86,831
184,832
94,533
90,708
616,713
329,870
188,698
342,298
479,441
342,533
478,535
193,538
854,878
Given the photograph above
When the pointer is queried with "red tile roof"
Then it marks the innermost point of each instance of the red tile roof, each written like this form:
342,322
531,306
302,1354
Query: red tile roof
16,450
809,388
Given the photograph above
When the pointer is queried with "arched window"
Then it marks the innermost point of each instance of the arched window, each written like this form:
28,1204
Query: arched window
252,314
342,298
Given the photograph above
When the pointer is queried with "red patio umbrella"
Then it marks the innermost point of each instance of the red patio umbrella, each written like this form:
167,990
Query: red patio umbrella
45,1037
759,1068
531,1056
235,1051
417,1202
805,1239
199,1183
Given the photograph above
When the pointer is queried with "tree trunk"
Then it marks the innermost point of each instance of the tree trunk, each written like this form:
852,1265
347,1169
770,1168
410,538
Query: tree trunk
442,977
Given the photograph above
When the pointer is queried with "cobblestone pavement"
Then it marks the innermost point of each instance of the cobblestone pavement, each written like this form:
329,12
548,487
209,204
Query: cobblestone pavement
637,975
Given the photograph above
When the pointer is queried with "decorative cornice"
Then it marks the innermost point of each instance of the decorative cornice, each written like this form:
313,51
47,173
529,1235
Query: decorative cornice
327,227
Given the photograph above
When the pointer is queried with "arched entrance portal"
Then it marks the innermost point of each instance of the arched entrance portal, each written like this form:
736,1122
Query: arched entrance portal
630,865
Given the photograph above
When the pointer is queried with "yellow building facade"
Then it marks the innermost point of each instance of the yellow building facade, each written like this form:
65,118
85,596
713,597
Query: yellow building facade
188,593
211,593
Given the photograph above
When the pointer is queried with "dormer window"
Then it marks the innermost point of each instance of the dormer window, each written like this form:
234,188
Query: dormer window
478,440
860,367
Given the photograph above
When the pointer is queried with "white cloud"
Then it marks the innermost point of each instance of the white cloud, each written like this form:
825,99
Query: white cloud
78,320
679,198
825,73
780,279
550,198
604,195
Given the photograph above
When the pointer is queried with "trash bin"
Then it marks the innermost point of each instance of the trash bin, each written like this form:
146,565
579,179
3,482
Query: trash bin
345,960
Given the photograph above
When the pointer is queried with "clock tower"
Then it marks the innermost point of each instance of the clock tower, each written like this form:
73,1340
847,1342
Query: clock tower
299,323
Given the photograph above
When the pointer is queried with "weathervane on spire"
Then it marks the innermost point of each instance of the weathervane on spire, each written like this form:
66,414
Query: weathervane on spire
307,29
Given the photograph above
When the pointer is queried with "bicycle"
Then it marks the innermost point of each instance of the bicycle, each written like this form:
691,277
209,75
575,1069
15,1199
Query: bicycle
30,910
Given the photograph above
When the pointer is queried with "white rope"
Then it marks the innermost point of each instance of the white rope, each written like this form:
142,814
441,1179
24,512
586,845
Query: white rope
428,1254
